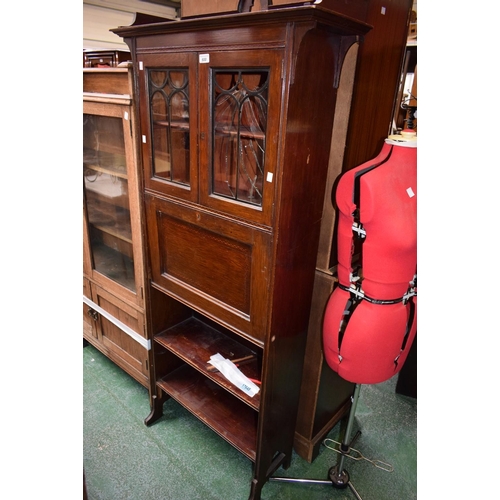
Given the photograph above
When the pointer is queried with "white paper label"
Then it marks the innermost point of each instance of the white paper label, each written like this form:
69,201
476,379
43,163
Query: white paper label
204,58
125,115
144,139
410,192
233,374
269,177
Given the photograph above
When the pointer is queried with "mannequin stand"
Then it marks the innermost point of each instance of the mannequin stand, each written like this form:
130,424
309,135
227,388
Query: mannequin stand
338,476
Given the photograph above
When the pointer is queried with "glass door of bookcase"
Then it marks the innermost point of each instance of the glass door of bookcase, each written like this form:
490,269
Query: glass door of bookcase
240,118
169,124
106,194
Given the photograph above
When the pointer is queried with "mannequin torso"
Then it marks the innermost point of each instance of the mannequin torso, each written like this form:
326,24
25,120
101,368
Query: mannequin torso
370,319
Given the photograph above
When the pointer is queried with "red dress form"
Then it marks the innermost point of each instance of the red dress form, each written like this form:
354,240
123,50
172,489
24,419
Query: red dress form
370,319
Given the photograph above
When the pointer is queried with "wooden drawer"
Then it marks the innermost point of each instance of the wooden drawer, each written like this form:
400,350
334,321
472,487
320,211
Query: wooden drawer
105,58
107,81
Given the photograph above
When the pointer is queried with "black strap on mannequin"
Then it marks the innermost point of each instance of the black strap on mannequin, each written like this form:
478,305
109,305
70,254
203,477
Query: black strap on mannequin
411,316
356,290
357,227
349,308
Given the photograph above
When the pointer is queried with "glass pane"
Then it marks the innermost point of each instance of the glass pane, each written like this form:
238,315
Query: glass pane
239,110
169,100
106,195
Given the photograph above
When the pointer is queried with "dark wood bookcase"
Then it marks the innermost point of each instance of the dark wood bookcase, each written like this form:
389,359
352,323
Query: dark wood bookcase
236,116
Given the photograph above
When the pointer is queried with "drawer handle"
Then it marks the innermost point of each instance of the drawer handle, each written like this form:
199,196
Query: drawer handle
93,313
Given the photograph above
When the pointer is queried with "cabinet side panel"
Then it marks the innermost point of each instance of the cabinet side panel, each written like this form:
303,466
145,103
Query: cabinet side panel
304,177
337,147
311,106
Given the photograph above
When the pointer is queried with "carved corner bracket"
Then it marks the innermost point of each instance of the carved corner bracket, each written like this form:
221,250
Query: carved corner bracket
341,46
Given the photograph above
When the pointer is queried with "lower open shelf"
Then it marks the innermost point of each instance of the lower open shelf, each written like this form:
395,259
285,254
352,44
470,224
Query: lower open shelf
194,342
229,417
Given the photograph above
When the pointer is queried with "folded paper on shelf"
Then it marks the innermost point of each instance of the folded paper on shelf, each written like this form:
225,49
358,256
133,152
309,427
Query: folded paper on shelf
233,374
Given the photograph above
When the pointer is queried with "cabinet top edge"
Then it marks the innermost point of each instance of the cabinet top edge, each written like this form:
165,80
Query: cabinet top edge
337,23
107,70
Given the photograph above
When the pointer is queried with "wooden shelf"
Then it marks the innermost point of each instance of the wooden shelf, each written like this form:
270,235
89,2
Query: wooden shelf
215,407
194,342
112,170
106,198
108,163
115,265
244,132
119,231
114,221
172,124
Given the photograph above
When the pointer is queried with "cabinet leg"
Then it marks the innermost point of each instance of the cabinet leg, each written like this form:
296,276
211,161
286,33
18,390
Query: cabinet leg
156,410
255,489
281,459
287,461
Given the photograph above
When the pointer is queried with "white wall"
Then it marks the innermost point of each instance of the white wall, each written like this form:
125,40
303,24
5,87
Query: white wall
99,16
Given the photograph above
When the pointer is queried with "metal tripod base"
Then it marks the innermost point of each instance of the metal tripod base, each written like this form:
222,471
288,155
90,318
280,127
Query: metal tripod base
338,476
335,481
340,479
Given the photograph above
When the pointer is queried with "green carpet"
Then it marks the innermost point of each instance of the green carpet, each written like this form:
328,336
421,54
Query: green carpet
179,458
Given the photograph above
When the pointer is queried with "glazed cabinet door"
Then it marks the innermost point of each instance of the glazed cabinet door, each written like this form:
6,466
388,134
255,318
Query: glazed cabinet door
240,103
169,124
111,200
